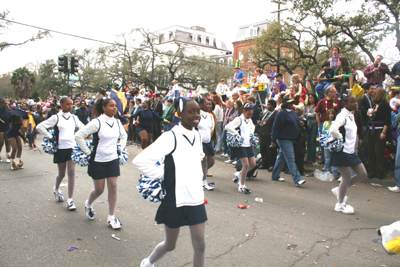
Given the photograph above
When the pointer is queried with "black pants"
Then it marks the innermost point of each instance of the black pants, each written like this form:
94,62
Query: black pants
376,151
363,149
156,129
132,131
268,154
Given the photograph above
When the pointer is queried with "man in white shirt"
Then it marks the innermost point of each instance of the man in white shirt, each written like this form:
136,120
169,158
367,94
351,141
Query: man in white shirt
222,89
263,84
137,94
358,76
175,88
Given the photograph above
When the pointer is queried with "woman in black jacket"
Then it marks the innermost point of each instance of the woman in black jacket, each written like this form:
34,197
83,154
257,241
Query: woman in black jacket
378,127
82,113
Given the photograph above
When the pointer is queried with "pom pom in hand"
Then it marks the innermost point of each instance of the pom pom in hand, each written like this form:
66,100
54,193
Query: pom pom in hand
234,140
79,157
331,143
152,188
253,140
123,155
49,146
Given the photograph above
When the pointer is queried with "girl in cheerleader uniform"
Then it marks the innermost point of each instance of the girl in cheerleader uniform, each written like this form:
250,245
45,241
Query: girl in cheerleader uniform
184,200
104,160
15,138
243,126
65,125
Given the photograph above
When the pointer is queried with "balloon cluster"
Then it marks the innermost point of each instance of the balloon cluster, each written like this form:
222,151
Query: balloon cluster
123,155
253,140
234,140
152,188
80,157
331,143
50,146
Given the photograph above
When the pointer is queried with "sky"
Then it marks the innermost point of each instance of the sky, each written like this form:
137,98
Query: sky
104,20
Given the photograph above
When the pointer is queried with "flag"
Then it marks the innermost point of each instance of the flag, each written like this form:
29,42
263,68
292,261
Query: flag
119,98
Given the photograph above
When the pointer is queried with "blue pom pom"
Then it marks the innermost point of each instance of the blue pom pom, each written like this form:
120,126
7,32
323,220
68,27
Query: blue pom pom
123,155
50,147
331,143
79,157
234,140
253,140
152,188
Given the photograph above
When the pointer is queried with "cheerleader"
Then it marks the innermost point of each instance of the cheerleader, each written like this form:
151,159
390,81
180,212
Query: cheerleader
5,120
205,128
104,161
15,137
345,128
184,200
244,127
65,125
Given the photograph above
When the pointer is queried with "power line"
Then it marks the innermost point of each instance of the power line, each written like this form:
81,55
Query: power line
106,42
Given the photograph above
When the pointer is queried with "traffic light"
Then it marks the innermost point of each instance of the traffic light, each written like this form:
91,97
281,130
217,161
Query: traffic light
63,64
74,65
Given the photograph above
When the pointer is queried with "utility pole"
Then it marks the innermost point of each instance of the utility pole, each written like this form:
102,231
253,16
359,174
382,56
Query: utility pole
278,56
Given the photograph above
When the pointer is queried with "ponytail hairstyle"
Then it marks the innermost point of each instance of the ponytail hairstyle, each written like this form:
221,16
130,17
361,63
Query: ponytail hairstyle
100,103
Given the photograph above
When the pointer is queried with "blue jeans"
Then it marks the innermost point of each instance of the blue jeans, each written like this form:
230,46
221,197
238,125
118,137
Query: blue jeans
327,166
397,164
176,94
263,95
286,153
219,136
167,127
224,143
312,132
320,89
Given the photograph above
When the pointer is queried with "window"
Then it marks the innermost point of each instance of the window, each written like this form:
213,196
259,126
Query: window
250,56
241,55
199,39
230,61
221,60
207,41
171,35
251,32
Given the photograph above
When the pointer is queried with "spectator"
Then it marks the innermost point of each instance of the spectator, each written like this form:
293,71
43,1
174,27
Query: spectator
279,81
301,89
396,188
167,115
365,103
312,128
175,88
90,109
238,77
329,102
334,61
324,79
275,92
375,72
219,114
268,154
378,127
263,84
189,93
331,116
235,96
157,106
395,101
256,112
284,133
271,78
343,73
138,95
229,115
82,112
132,127
222,89
395,74
358,76
53,110
300,144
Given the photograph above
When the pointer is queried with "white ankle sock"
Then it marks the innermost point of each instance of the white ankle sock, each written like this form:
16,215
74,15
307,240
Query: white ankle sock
87,204
147,263
111,217
69,200
205,182
17,160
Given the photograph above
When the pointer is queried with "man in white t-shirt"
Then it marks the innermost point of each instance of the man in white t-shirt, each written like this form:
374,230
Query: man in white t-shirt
358,76
395,101
137,94
263,84
175,88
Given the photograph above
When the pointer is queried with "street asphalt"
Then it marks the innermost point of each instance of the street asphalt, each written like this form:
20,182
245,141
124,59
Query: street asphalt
293,226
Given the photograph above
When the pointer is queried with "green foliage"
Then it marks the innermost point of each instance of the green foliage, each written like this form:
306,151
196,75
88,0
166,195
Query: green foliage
6,89
49,80
17,80
35,95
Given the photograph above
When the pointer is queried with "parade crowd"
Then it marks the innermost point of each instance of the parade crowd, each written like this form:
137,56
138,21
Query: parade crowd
187,130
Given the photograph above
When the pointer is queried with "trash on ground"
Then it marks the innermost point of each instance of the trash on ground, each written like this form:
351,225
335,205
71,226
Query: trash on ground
259,199
72,248
113,236
241,206
323,176
376,185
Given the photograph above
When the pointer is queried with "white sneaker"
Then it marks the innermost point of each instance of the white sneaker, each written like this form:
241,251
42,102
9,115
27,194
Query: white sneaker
234,162
237,177
335,191
90,212
114,224
280,179
57,194
146,263
301,182
395,189
224,155
8,161
229,161
208,186
315,163
71,205
244,190
342,207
